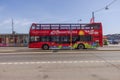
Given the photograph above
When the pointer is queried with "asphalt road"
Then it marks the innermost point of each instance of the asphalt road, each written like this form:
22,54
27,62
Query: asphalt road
48,57
86,65
59,56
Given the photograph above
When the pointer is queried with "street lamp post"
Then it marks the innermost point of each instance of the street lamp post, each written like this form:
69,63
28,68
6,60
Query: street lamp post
71,37
13,33
93,13
12,27
93,17
104,8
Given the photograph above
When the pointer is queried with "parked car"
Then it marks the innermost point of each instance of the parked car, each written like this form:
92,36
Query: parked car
114,42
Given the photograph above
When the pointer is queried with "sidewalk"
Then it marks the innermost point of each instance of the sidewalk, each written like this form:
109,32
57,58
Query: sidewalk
13,49
110,47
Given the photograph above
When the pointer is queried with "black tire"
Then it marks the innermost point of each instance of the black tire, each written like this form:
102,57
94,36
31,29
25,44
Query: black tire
81,46
45,47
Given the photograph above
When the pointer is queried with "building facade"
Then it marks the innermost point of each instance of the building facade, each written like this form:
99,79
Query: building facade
14,40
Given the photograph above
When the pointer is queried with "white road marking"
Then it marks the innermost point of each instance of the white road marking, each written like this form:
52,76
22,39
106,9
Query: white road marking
58,62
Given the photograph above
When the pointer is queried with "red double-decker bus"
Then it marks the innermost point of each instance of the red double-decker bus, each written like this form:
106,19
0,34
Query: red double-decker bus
62,36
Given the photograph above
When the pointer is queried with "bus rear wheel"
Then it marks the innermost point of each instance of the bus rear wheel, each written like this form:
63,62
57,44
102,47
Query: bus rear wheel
45,47
81,46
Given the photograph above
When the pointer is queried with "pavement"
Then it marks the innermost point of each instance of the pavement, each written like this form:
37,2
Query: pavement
109,48
104,65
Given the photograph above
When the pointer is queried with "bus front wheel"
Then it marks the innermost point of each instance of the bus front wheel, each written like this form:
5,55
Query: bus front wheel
81,46
45,47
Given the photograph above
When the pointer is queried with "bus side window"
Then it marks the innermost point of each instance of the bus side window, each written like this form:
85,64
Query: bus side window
45,26
54,27
73,27
81,38
37,38
87,27
92,27
37,27
96,27
82,27
65,39
55,38
64,27
88,38
34,38
33,27
85,38
74,39
45,38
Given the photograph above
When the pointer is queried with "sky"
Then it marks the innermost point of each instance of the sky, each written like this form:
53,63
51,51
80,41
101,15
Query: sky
26,12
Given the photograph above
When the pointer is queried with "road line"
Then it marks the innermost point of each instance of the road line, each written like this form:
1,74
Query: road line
59,62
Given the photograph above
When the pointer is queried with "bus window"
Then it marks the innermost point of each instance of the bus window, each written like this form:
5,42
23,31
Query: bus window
65,26
34,38
38,27
85,38
92,27
82,27
78,27
81,38
33,27
55,38
96,27
45,27
65,39
54,26
88,38
45,38
75,26
87,27
74,39
37,38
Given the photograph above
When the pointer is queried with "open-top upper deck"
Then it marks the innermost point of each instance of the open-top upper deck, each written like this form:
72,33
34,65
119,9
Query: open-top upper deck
65,26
